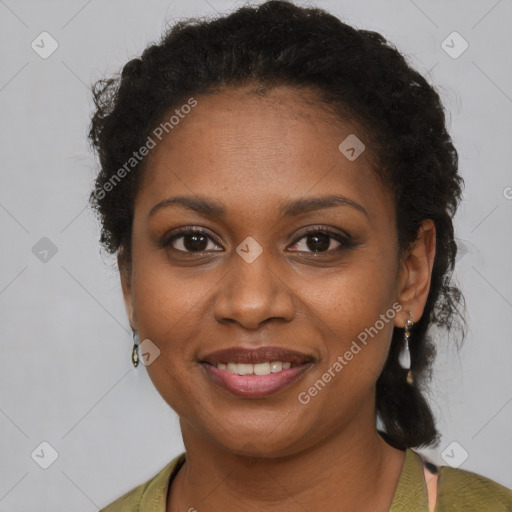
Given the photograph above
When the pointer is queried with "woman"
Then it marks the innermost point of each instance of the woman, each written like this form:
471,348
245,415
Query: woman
279,189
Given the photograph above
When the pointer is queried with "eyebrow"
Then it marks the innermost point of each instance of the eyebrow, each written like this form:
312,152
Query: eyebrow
292,208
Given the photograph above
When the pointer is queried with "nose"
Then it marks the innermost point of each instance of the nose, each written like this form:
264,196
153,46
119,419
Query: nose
253,293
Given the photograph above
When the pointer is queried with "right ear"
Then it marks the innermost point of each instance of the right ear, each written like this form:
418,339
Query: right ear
125,275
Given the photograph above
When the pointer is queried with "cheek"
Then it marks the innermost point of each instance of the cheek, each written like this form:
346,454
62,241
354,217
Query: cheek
170,313
355,314
356,342
164,299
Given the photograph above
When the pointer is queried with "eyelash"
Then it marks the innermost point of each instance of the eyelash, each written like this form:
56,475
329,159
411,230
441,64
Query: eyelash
346,241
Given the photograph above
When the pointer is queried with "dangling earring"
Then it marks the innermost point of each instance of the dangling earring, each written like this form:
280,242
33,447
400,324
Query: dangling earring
135,351
404,359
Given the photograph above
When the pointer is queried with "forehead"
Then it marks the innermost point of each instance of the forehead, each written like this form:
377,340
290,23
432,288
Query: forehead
244,148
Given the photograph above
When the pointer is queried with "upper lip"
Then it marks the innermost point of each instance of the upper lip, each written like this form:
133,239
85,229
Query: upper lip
254,356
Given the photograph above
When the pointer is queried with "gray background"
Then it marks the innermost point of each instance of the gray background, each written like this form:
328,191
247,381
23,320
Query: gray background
65,371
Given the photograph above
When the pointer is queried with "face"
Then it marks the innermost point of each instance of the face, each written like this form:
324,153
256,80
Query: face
266,267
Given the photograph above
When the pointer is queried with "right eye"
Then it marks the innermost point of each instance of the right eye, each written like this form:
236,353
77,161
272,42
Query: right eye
191,240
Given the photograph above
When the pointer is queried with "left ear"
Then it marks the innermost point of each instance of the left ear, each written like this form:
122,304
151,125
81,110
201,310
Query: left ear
415,274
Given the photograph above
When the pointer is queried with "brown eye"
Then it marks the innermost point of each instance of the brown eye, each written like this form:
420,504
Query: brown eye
191,240
319,241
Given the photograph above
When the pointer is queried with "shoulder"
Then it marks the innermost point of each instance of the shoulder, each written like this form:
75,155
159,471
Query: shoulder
152,491
461,490
128,502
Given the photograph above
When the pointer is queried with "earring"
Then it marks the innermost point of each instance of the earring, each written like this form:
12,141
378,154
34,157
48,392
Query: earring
135,351
404,359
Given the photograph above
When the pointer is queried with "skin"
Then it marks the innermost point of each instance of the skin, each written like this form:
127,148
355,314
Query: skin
252,153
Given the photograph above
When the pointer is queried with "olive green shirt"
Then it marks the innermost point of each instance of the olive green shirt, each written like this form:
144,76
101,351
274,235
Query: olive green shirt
457,491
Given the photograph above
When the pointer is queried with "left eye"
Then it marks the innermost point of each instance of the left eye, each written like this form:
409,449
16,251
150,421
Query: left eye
320,241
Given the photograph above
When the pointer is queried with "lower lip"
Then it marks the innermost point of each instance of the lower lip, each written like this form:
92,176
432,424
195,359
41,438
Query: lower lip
255,386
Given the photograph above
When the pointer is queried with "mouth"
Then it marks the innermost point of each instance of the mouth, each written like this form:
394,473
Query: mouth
255,373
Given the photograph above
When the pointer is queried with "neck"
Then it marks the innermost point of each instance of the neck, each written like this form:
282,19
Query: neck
353,470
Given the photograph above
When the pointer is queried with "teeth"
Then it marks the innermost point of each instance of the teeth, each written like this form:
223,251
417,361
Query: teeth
262,369
276,366
245,369
255,369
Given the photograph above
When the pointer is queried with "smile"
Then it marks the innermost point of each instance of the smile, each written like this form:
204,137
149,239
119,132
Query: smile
243,380
264,368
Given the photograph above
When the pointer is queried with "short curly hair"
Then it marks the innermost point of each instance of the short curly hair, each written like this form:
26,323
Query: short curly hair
356,72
